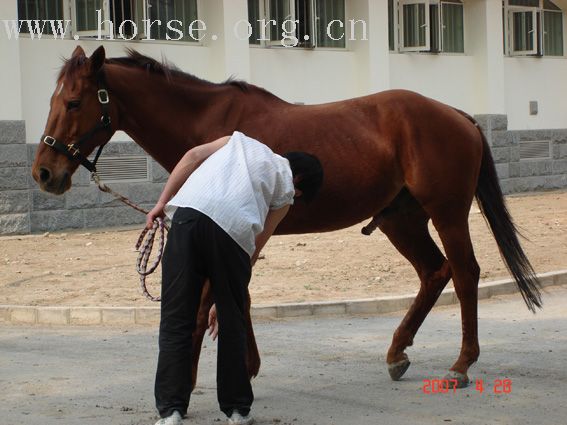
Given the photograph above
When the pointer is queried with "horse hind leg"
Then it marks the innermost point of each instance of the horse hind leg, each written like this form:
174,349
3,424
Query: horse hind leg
454,233
404,222
200,329
252,355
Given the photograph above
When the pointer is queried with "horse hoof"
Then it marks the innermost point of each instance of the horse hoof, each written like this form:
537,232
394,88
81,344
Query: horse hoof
461,378
398,369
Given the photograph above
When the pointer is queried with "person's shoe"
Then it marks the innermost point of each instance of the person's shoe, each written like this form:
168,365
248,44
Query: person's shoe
173,419
238,419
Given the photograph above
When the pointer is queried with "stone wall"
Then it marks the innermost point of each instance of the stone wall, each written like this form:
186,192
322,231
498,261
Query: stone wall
25,209
525,175
14,183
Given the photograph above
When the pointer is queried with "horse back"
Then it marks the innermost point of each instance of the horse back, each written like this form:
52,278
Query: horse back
370,147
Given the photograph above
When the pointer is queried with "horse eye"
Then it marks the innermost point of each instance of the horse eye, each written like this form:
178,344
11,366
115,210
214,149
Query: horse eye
73,104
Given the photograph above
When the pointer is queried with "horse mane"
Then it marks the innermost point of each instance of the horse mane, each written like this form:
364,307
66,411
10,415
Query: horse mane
135,59
71,66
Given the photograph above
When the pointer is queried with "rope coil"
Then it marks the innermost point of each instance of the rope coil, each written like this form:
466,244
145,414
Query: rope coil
145,241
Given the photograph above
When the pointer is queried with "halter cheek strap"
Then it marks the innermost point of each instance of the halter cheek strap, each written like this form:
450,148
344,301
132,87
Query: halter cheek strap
73,150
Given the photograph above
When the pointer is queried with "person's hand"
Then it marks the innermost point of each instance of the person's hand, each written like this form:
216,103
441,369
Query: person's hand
213,322
156,212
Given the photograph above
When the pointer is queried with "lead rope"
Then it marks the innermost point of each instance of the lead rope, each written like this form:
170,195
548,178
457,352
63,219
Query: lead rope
145,241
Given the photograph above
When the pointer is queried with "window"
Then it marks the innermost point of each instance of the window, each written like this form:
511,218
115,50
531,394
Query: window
317,26
552,30
119,18
167,10
452,27
391,25
39,9
86,17
414,25
534,28
254,20
127,17
281,11
426,25
327,11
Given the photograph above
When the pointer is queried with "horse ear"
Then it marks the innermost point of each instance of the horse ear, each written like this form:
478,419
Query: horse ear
97,59
78,52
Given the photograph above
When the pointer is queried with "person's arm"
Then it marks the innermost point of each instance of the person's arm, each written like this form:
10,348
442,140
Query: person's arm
273,218
184,168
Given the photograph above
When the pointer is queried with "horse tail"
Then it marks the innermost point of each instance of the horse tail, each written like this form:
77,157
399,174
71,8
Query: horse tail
493,207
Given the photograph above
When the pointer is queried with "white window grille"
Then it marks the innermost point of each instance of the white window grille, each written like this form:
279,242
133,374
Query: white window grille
118,169
535,149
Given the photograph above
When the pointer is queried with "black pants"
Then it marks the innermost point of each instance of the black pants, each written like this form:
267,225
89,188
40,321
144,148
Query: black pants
197,248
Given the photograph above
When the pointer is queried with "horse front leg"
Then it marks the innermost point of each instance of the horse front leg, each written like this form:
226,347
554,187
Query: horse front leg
253,357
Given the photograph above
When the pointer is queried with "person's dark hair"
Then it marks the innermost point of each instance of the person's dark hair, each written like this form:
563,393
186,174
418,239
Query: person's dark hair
307,174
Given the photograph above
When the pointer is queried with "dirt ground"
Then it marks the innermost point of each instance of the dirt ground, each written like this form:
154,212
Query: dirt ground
97,268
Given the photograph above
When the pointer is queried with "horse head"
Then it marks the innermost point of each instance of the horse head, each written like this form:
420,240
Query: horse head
81,119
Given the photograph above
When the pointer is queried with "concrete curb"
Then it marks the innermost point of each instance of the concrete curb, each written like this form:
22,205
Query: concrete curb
89,316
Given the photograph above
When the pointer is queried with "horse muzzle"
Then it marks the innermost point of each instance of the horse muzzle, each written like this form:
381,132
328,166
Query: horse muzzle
50,182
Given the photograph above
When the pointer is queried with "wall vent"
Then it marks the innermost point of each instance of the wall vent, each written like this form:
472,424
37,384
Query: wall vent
123,169
535,149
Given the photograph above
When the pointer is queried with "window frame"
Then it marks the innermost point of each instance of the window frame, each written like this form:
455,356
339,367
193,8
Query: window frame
539,32
435,27
442,41
91,33
544,32
427,24
512,10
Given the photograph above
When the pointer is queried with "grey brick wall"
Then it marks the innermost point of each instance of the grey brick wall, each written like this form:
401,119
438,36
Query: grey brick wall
518,175
85,206
24,208
14,193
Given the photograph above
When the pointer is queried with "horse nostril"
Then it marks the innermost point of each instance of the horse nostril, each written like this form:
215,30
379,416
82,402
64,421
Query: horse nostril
44,175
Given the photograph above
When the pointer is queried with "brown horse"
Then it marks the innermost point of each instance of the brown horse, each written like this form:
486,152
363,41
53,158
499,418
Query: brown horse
396,157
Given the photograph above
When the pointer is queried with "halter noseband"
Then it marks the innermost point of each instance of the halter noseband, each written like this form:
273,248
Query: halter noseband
72,150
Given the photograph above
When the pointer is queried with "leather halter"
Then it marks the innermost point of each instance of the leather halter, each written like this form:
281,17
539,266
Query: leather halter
73,150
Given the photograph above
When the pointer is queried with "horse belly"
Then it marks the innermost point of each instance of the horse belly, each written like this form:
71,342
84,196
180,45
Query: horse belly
345,200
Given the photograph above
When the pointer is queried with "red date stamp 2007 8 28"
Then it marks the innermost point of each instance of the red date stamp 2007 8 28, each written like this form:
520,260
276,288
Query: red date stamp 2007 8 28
444,386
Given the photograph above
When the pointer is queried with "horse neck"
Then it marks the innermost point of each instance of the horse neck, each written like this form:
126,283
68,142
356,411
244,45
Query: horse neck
167,118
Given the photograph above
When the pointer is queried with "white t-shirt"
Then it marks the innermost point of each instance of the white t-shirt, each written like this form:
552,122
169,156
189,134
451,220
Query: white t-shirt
236,186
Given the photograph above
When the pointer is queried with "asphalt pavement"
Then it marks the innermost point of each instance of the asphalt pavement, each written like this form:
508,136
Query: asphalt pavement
323,371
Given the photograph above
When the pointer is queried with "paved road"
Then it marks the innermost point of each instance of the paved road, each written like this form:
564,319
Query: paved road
326,371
